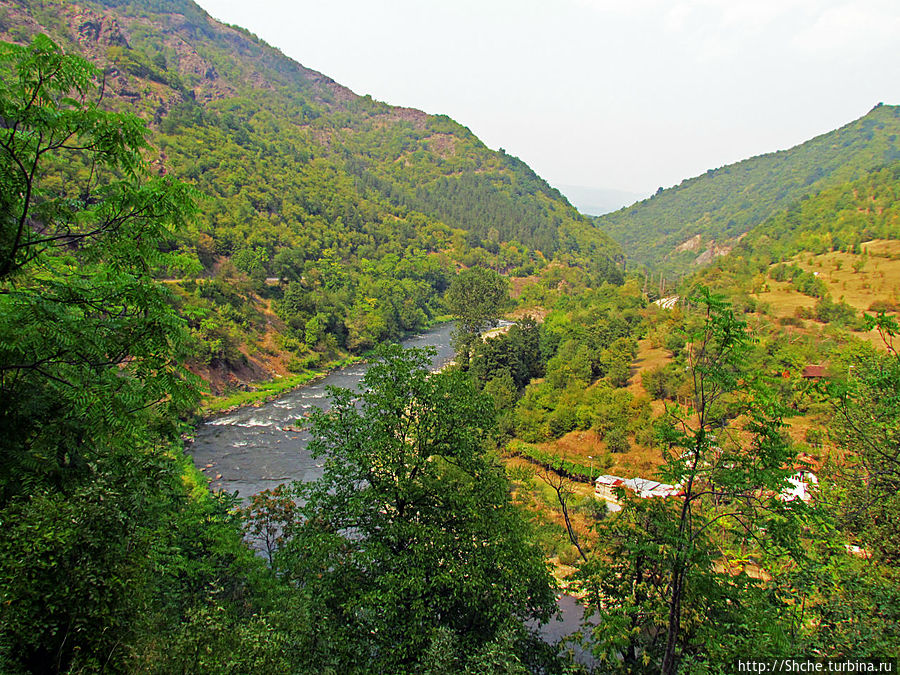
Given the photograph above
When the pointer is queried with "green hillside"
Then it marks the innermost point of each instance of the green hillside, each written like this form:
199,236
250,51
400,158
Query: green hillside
840,218
703,216
362,210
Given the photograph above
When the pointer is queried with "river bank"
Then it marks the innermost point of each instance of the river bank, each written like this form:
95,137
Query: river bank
268,390
264,391
253,447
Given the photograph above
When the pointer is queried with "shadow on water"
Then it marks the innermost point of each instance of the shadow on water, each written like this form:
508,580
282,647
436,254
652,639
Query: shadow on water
559,630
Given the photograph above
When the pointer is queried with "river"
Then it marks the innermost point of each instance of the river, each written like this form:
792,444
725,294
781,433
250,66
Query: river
249,450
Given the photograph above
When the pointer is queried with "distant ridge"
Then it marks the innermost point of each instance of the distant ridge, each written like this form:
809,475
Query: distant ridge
598,201
210,91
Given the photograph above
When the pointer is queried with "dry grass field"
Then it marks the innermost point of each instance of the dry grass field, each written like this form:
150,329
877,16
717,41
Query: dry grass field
857,279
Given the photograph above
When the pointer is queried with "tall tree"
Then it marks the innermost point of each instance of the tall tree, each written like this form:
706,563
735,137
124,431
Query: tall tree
90,383
477,298
89,343
409,542
858,596
674,565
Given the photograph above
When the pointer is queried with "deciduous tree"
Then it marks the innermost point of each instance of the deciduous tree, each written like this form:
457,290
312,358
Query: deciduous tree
410,536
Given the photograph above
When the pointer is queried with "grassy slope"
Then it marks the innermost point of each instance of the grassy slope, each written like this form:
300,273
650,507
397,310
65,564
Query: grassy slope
862,281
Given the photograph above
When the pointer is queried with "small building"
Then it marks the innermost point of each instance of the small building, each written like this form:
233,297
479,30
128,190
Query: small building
605,488
647,489
802,483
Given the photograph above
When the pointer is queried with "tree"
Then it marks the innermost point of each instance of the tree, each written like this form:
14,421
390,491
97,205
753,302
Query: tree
266,518
409,540
675,566
562,486
857,608
867,425
515,353
91,388
476,297
89,343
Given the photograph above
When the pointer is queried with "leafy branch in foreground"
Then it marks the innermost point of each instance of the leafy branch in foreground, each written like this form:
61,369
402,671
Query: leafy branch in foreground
409,542
91,389
675,567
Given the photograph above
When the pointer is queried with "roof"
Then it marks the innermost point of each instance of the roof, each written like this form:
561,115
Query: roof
815,372
611,481
645,488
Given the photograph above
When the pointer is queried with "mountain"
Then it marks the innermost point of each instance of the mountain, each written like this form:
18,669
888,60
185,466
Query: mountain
597,201
363,211
703,216
840,219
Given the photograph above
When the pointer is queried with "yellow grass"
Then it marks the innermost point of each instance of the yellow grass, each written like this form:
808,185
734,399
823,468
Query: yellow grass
877,280
648,358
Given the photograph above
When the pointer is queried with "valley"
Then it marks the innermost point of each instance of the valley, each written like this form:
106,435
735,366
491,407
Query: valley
295,380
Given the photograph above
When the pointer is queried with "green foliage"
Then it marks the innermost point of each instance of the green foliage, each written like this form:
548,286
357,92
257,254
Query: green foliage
477,297
369,209
840,313
409,537
657,585
515,354
806,282
867,425
106,546
573,469
590,335
90,344
727,202
663,382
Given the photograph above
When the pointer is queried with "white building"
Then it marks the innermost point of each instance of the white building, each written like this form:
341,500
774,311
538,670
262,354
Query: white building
802,483
605,488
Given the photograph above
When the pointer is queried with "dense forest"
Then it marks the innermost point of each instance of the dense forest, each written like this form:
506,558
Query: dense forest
356,211
704,216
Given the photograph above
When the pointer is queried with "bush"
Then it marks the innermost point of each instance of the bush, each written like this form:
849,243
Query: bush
892,305
791,321
661,382
840,313
674,342
562,421
617,440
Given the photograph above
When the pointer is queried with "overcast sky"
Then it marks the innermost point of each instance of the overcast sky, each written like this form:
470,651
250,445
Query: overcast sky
620,94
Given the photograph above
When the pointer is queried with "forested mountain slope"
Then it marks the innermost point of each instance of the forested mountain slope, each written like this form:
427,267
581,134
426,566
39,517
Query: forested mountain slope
838,219
364,211
703,216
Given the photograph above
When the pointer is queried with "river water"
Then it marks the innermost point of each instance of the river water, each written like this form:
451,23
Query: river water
250,449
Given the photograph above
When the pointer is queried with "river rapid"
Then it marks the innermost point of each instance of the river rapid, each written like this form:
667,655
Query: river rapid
253,449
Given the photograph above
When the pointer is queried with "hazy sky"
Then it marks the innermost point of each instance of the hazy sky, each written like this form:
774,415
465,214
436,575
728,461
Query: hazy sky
626,94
